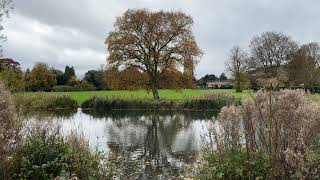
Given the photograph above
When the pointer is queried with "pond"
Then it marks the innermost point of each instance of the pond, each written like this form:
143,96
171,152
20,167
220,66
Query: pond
146,144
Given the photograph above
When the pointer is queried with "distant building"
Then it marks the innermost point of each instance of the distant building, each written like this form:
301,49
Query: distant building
217,84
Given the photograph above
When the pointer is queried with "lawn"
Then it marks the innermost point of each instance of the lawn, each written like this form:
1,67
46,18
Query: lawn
142,94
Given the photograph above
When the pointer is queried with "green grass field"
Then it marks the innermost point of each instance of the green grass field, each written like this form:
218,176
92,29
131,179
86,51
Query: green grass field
142,94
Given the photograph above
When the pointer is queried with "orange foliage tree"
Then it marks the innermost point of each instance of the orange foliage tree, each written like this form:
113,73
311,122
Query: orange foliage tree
152,42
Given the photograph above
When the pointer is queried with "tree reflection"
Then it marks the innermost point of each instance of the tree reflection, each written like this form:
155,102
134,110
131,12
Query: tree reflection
154,152
140,144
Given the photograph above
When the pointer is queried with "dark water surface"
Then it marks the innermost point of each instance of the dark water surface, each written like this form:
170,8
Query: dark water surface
147,144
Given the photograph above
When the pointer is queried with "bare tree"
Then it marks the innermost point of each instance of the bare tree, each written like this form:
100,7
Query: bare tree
152,42
237,65
271,49
312,50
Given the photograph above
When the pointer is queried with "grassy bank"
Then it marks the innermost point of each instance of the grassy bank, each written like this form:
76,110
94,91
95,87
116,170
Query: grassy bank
165,94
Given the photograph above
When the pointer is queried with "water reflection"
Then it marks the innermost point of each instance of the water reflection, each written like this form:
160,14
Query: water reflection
143,144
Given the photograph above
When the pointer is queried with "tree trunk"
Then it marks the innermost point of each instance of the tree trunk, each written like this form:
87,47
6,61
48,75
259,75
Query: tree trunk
155,93
238,85
154,89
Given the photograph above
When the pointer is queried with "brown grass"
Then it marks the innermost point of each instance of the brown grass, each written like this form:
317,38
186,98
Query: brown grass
281,124
10,127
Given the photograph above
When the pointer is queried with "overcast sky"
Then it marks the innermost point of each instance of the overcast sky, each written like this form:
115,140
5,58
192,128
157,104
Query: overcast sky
72,32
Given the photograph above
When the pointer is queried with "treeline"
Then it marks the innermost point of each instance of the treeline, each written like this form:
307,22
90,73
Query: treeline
44,78
274,55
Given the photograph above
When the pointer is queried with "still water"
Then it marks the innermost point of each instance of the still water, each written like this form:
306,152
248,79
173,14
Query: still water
147,144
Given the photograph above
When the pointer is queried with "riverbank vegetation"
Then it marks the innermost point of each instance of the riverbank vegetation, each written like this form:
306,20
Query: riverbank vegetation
42,152
275,135
10,131
45,154
139,99
166,94
40,101
210,101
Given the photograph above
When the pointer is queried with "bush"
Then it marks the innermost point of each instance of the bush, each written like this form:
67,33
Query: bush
233,164
210,101
229,86
10,128
101,104
39,101
85,87
80,87
62,88
274,134
46,154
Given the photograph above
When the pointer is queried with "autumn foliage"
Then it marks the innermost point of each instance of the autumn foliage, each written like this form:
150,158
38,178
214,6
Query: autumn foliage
133,79
152,42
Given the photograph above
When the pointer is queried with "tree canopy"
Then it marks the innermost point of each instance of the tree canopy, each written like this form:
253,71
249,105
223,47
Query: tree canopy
153,42
95,77
271,49
41,78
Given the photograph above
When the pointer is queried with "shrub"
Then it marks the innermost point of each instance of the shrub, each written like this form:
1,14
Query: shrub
233,164
62,88
10,127
39,101
229,86
80,87
101,104
274,134
46,154
210,101
85,86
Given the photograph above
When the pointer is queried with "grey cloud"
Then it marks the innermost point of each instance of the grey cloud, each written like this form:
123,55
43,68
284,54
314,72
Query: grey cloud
72,32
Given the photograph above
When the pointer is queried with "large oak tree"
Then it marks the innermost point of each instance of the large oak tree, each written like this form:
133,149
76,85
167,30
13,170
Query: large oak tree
152,42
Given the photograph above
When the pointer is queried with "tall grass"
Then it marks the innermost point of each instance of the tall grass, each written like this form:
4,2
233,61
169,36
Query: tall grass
10,131
40,101
209,101
274,136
